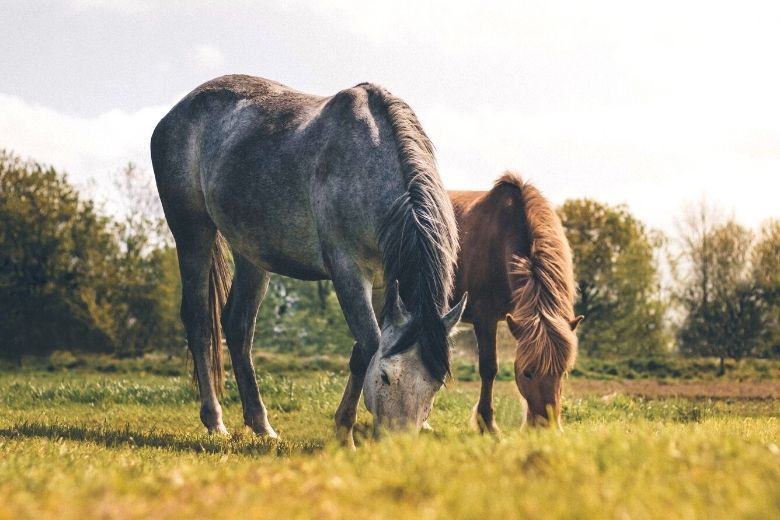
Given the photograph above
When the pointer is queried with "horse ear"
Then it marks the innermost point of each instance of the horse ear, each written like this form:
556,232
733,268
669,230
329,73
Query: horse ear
514,327
398,312
453,317
576,321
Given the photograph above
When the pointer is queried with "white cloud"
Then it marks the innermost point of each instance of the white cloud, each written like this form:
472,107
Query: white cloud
122,6
467,26
208,57
89,149
655,159
698,50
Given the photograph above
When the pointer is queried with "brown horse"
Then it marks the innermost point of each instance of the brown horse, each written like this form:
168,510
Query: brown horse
515,263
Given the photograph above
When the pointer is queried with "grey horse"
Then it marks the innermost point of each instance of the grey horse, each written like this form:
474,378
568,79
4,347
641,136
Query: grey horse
342,188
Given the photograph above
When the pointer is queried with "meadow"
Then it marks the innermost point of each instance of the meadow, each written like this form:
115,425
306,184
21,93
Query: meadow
121,439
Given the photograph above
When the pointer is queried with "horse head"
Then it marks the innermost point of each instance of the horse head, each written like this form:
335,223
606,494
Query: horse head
398,387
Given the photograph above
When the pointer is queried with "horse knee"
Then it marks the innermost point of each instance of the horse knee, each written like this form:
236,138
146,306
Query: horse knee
234,328
189,313
358,361
488,370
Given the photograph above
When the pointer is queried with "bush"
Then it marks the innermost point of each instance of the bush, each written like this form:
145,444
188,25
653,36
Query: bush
71,279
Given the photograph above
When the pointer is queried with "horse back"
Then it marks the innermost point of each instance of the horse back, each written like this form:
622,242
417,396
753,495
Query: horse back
492,229
282,174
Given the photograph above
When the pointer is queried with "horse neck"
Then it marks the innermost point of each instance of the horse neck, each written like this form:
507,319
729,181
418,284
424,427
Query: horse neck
491,235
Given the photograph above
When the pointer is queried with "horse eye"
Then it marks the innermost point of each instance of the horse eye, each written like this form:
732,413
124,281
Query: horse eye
528,374
385,379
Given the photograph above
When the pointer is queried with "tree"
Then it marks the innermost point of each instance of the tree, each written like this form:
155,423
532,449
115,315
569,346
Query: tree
55,253
71,279
617,277
146,275
765,259
724,309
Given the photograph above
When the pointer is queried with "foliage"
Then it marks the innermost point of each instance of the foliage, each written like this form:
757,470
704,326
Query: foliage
765,259
302,317
146,275
617,278
55,253
72,279
725,311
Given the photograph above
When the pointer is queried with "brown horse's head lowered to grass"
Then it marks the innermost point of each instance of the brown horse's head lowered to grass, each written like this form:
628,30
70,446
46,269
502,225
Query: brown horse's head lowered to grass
542,321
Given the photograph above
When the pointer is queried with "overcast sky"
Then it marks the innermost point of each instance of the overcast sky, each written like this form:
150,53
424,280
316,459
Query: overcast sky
652,104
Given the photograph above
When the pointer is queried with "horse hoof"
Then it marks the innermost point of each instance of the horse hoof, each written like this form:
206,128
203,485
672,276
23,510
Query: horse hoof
270,433
478,423
264,429
492,429
219,431
345,437
348,443
427,428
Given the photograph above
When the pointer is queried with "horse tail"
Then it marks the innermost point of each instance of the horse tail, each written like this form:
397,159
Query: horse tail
219,286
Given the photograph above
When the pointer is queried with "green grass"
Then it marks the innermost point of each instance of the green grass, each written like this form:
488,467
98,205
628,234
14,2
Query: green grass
658,368
126,442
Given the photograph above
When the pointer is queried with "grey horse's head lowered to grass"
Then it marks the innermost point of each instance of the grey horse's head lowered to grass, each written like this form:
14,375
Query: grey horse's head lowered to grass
398,388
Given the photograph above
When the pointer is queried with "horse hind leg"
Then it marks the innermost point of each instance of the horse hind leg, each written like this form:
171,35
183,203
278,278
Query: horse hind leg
195,249
175,170
238,321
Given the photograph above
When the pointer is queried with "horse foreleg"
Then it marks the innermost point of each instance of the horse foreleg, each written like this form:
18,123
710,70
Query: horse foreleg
488,368
238,320
346,414
354,294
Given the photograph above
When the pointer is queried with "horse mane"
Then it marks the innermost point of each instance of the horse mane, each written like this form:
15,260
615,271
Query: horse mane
545,290
418,238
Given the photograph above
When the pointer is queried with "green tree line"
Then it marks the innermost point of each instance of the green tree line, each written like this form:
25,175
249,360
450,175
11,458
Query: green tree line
73,278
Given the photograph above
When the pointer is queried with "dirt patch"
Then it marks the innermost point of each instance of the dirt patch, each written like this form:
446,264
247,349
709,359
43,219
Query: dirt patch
683,389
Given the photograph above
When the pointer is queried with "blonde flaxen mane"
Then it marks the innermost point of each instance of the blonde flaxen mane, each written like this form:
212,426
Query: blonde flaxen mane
544,288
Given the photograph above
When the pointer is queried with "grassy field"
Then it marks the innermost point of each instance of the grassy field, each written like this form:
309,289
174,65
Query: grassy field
122,440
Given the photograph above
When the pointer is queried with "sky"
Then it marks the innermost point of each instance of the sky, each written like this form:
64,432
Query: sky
656,105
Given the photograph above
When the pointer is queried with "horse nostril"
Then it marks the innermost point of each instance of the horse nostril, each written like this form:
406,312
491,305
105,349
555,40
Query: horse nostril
385,379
